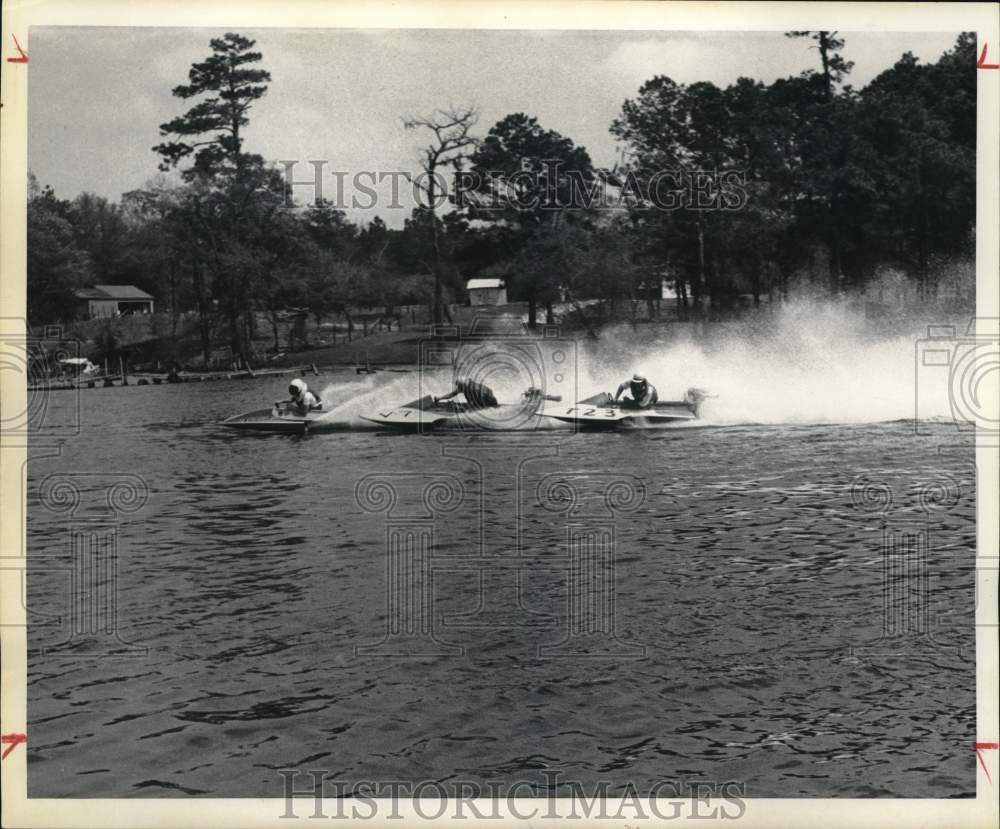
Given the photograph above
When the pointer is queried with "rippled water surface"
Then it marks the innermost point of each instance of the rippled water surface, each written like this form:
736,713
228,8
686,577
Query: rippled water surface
749,604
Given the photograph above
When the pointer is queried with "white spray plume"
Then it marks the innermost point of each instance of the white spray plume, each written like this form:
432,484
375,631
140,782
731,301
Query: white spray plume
812,362
809,362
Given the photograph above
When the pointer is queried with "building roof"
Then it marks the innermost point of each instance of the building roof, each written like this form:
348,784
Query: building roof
472,284
89,293
123,292
112,292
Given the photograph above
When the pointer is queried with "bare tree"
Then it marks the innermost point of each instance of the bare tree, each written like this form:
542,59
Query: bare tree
451,144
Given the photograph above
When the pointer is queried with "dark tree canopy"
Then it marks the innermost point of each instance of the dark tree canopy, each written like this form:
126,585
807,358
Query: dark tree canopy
230,84
817,186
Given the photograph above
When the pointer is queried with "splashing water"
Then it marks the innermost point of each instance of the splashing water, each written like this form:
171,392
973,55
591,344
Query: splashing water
809,362
812,363
347,401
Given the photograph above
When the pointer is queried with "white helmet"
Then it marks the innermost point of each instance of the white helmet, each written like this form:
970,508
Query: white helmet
297,387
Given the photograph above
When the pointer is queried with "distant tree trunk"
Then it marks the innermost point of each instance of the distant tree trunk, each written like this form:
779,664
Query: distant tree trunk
251,318
834,244
921,234
203,312
235,332
452,143
698,288
714,299
550,316
532,312
172,281
834,218
274,329
437,314
824,55
247,334
783,273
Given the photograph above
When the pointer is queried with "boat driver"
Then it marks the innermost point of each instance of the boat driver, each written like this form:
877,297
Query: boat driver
303,399
642,393
476,394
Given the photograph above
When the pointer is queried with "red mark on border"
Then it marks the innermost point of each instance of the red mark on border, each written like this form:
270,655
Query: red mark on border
22,59
12,741
980,64
980,747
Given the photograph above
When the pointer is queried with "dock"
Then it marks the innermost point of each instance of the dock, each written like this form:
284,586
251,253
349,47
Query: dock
142,378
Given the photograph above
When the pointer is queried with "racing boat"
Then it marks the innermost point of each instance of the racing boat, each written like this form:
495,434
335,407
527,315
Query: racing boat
428,413
281,417
602,412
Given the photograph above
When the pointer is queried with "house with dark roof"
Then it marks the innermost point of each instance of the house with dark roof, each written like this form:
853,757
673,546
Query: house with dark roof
112,301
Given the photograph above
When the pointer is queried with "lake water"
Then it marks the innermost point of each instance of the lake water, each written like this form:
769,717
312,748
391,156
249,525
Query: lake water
745,605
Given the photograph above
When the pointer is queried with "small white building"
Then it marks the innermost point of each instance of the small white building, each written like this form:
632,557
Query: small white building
487,291
113,301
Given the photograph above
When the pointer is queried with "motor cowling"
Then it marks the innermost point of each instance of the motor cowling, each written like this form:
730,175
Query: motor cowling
694,397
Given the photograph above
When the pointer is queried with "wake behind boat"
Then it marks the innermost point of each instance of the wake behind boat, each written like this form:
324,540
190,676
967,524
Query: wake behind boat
602,412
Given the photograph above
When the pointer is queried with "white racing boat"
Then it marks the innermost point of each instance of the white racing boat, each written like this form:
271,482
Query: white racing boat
601,412
281,418
428,413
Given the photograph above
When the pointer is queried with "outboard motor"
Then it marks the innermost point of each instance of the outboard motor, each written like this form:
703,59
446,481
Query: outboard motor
537,394
694,397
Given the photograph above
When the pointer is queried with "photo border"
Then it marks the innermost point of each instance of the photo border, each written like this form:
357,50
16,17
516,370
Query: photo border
19,17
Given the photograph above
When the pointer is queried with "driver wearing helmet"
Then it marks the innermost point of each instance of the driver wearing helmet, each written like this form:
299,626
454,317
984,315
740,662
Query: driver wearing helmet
303,399
477,395
642,393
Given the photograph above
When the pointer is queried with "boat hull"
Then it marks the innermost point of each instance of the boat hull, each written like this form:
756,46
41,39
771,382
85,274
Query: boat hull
426,415
601,412
265,420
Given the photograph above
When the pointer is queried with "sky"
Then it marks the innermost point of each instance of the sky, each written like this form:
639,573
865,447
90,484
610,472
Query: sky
97,96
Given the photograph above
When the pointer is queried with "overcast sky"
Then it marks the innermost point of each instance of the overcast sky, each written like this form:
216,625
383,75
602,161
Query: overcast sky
97,96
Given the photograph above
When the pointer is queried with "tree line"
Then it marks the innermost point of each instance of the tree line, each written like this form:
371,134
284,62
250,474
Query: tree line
835,184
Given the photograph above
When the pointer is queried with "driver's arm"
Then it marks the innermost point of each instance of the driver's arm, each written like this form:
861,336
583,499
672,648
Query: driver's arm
447,396
621,388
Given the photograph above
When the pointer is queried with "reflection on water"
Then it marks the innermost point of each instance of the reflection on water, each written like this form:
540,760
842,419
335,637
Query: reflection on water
749,590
